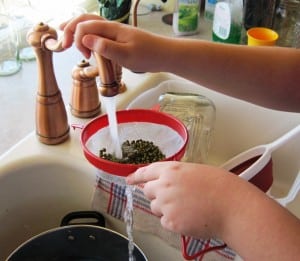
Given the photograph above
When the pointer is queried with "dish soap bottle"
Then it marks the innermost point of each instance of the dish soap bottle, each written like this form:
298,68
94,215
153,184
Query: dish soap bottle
228,21
186,17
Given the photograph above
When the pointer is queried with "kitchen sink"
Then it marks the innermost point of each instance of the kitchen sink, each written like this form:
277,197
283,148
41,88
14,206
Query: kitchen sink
36,192
39,183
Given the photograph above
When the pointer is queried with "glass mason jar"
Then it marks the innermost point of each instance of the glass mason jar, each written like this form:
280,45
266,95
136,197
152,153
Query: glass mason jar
10,62
287,23
198,114
296,41
259,13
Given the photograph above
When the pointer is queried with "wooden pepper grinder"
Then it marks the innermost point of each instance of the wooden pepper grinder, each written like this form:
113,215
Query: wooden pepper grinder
51,117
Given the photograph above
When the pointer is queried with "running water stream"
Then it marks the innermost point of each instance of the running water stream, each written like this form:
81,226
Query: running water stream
128,218
110,106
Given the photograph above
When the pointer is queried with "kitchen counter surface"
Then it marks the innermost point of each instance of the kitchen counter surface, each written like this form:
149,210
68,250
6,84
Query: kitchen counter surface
18,92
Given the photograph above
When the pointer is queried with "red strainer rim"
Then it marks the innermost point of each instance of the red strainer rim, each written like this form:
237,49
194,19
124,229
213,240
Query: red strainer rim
125,116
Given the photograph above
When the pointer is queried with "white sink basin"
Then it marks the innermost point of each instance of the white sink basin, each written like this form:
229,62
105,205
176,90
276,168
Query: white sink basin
39,184
35,194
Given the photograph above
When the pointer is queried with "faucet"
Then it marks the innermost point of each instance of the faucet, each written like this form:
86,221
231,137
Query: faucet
51,117
110,74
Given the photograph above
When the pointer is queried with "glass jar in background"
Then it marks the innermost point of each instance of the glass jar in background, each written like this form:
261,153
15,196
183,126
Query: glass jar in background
198,114
22,12
286,23
296,41
9,46
259,13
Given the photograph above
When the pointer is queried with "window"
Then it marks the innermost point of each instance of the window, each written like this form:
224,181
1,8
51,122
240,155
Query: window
51,11
28,13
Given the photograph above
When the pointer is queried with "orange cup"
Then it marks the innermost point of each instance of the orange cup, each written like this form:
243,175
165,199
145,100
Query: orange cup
261,36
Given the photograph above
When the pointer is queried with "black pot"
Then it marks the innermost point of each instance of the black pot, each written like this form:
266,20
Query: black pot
77,242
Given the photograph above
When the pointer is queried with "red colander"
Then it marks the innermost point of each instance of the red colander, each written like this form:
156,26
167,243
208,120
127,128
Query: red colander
142,121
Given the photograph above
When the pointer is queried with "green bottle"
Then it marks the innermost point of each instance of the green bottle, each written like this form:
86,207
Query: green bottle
228,21
186,17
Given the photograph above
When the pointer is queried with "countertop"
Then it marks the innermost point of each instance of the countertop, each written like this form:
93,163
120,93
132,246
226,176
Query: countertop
18,92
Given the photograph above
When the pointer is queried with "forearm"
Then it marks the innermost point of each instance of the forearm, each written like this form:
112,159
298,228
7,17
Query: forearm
263,75
256,226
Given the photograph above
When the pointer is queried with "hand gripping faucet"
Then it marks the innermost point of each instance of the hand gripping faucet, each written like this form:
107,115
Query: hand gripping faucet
51,117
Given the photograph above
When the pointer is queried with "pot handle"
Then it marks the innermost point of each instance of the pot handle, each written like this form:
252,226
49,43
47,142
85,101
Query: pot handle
80,218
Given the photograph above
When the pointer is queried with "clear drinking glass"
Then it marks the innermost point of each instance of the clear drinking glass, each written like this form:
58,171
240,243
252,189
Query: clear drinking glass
10,62
287,23
24,16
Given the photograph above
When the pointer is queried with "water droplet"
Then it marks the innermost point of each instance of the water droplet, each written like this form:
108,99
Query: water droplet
71,237
92,237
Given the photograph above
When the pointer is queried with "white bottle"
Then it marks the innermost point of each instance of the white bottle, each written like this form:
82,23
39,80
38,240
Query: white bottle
186,17
228,21
209,10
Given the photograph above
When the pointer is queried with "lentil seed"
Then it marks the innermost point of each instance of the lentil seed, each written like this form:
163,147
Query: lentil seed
135,152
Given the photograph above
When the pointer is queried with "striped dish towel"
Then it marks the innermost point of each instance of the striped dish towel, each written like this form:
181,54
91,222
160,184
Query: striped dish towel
110,197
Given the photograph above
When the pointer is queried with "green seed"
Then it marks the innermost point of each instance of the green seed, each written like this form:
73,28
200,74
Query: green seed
135,152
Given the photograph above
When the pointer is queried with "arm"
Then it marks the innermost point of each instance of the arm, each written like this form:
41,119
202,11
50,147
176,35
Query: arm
267,76
237,212
208,202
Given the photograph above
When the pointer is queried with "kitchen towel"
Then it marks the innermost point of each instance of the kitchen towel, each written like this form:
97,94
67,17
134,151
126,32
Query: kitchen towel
110,197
